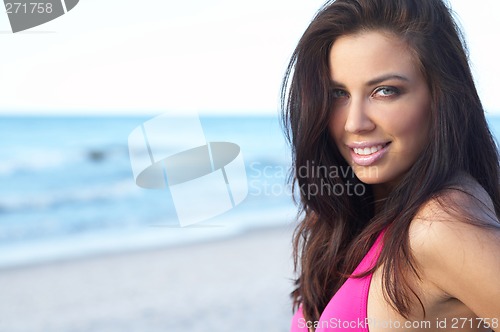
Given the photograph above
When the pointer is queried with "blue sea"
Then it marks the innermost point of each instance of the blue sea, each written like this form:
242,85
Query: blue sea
67,188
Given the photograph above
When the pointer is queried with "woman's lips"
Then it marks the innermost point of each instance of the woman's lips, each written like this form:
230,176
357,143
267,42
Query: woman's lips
366,154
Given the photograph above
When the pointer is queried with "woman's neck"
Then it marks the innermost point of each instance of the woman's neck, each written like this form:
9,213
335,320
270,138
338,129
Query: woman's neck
380,194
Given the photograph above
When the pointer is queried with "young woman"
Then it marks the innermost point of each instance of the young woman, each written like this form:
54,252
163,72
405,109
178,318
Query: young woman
397,171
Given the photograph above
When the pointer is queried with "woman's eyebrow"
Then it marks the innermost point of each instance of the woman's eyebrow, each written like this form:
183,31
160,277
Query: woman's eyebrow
387,77
337,84
376,80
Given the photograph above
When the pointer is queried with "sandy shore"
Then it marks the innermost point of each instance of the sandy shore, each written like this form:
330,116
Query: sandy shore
239,284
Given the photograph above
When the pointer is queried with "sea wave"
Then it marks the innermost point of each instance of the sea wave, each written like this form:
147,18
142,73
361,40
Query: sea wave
33,201
26,160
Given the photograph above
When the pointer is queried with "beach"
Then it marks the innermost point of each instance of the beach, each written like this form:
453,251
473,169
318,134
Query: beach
236,284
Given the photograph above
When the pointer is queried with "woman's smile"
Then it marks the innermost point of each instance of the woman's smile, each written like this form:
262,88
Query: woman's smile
369,154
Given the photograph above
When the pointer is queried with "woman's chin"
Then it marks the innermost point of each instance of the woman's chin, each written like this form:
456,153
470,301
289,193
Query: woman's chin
369,180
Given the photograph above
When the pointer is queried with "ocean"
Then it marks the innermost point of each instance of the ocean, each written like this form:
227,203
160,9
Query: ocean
67,187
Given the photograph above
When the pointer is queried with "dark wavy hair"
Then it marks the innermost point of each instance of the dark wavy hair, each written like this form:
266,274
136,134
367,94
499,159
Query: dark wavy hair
336,231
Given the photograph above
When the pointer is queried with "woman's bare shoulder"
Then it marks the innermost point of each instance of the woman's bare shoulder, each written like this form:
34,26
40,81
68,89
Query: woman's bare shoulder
455,239
463,209
465,198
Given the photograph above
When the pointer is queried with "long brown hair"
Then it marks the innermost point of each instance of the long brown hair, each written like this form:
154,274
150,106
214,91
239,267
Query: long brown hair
337,228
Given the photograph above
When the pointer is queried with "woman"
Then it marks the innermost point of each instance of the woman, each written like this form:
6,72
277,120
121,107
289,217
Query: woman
397,171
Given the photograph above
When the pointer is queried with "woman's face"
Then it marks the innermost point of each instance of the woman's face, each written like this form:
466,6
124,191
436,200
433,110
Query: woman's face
380,114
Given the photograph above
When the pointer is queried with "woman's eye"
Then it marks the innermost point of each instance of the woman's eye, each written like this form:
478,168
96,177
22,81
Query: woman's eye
337,94
386,91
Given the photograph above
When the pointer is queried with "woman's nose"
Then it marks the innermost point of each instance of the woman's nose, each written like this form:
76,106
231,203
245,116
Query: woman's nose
357,120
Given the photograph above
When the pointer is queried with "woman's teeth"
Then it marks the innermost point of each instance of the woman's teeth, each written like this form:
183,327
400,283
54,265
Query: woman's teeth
368,150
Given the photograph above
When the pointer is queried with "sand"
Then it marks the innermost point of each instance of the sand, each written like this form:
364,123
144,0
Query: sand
239,284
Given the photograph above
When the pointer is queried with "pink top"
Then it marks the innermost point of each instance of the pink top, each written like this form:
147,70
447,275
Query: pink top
347,310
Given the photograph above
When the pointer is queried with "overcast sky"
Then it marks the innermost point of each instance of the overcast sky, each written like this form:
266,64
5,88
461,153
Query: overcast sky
152,56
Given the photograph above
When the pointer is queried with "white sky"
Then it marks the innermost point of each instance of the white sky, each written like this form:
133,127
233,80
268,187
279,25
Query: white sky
153,56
